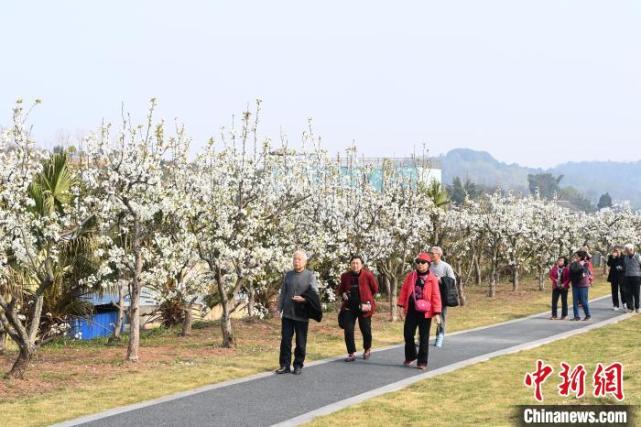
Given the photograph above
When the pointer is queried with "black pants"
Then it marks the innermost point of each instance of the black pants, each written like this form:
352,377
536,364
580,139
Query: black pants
617,291
364,324
415,320
632,286
556,293
290,326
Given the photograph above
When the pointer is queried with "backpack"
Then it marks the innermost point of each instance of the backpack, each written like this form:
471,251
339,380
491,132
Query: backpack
449,292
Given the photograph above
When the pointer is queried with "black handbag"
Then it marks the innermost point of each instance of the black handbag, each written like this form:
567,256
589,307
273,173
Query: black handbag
342,318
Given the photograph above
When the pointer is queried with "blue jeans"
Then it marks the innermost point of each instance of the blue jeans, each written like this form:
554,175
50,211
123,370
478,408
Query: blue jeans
441,328
580,295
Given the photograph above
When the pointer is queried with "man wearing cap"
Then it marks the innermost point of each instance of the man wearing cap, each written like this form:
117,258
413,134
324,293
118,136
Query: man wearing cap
420,299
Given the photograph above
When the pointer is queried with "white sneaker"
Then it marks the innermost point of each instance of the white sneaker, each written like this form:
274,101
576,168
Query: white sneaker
615,308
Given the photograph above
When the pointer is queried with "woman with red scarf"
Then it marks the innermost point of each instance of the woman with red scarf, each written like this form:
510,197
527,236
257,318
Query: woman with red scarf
420,299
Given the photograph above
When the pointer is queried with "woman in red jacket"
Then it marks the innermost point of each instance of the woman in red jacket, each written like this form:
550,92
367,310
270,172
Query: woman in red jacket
560,277
357,289
420,298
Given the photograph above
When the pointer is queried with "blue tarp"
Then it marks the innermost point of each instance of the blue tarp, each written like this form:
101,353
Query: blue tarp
98,325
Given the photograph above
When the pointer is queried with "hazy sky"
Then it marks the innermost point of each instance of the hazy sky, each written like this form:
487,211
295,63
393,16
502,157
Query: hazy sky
534,82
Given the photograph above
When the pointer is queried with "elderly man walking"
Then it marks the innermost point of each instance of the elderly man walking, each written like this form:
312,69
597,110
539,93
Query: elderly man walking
632,277
441,269
294,319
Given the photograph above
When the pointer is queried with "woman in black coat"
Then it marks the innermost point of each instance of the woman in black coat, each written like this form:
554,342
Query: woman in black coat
615,277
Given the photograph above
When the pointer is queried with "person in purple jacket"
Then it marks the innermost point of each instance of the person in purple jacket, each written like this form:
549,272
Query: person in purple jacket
560,277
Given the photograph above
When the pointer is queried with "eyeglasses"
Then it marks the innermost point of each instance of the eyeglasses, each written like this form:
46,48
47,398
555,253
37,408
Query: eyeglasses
420,261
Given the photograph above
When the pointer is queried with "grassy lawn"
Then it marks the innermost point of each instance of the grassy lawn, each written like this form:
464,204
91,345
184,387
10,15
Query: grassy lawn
68,379
483,394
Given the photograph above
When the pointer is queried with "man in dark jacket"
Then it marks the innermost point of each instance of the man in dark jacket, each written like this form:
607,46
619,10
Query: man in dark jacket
294,315
580,277
615,277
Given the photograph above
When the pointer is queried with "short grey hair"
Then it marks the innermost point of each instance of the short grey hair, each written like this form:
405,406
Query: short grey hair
628,247
301,253
437,249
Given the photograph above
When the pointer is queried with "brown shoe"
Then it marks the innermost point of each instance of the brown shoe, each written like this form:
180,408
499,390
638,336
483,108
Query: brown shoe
553,317
350,358
367,353
422,366
408,362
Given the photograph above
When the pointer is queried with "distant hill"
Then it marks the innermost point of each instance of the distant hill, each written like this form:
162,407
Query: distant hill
621,179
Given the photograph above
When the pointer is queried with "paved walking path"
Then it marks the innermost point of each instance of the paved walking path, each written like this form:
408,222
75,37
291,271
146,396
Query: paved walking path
326,386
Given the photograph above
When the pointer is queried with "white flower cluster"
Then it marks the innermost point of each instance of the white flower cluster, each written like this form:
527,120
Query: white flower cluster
227,220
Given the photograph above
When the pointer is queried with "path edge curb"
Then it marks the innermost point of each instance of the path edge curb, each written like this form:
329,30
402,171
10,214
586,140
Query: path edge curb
186,393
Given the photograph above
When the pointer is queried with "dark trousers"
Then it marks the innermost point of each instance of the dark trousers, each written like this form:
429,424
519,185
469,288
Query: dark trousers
556,293
617,291
364,324
415,320
580,295
632,286
289,327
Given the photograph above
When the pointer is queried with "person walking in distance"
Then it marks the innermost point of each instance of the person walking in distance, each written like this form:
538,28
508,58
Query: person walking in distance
616,276
420,299
632,280
560,277
441,269
296,282
357,289
580,280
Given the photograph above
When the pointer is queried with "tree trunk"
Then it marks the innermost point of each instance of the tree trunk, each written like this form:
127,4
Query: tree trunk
225,321
24,337
541,279
461,293
20,365
134,323
460,284
187,320
394,298
3,341
250,300
115,336
492,290
477,269
388,289
134,303
134,307
515,277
